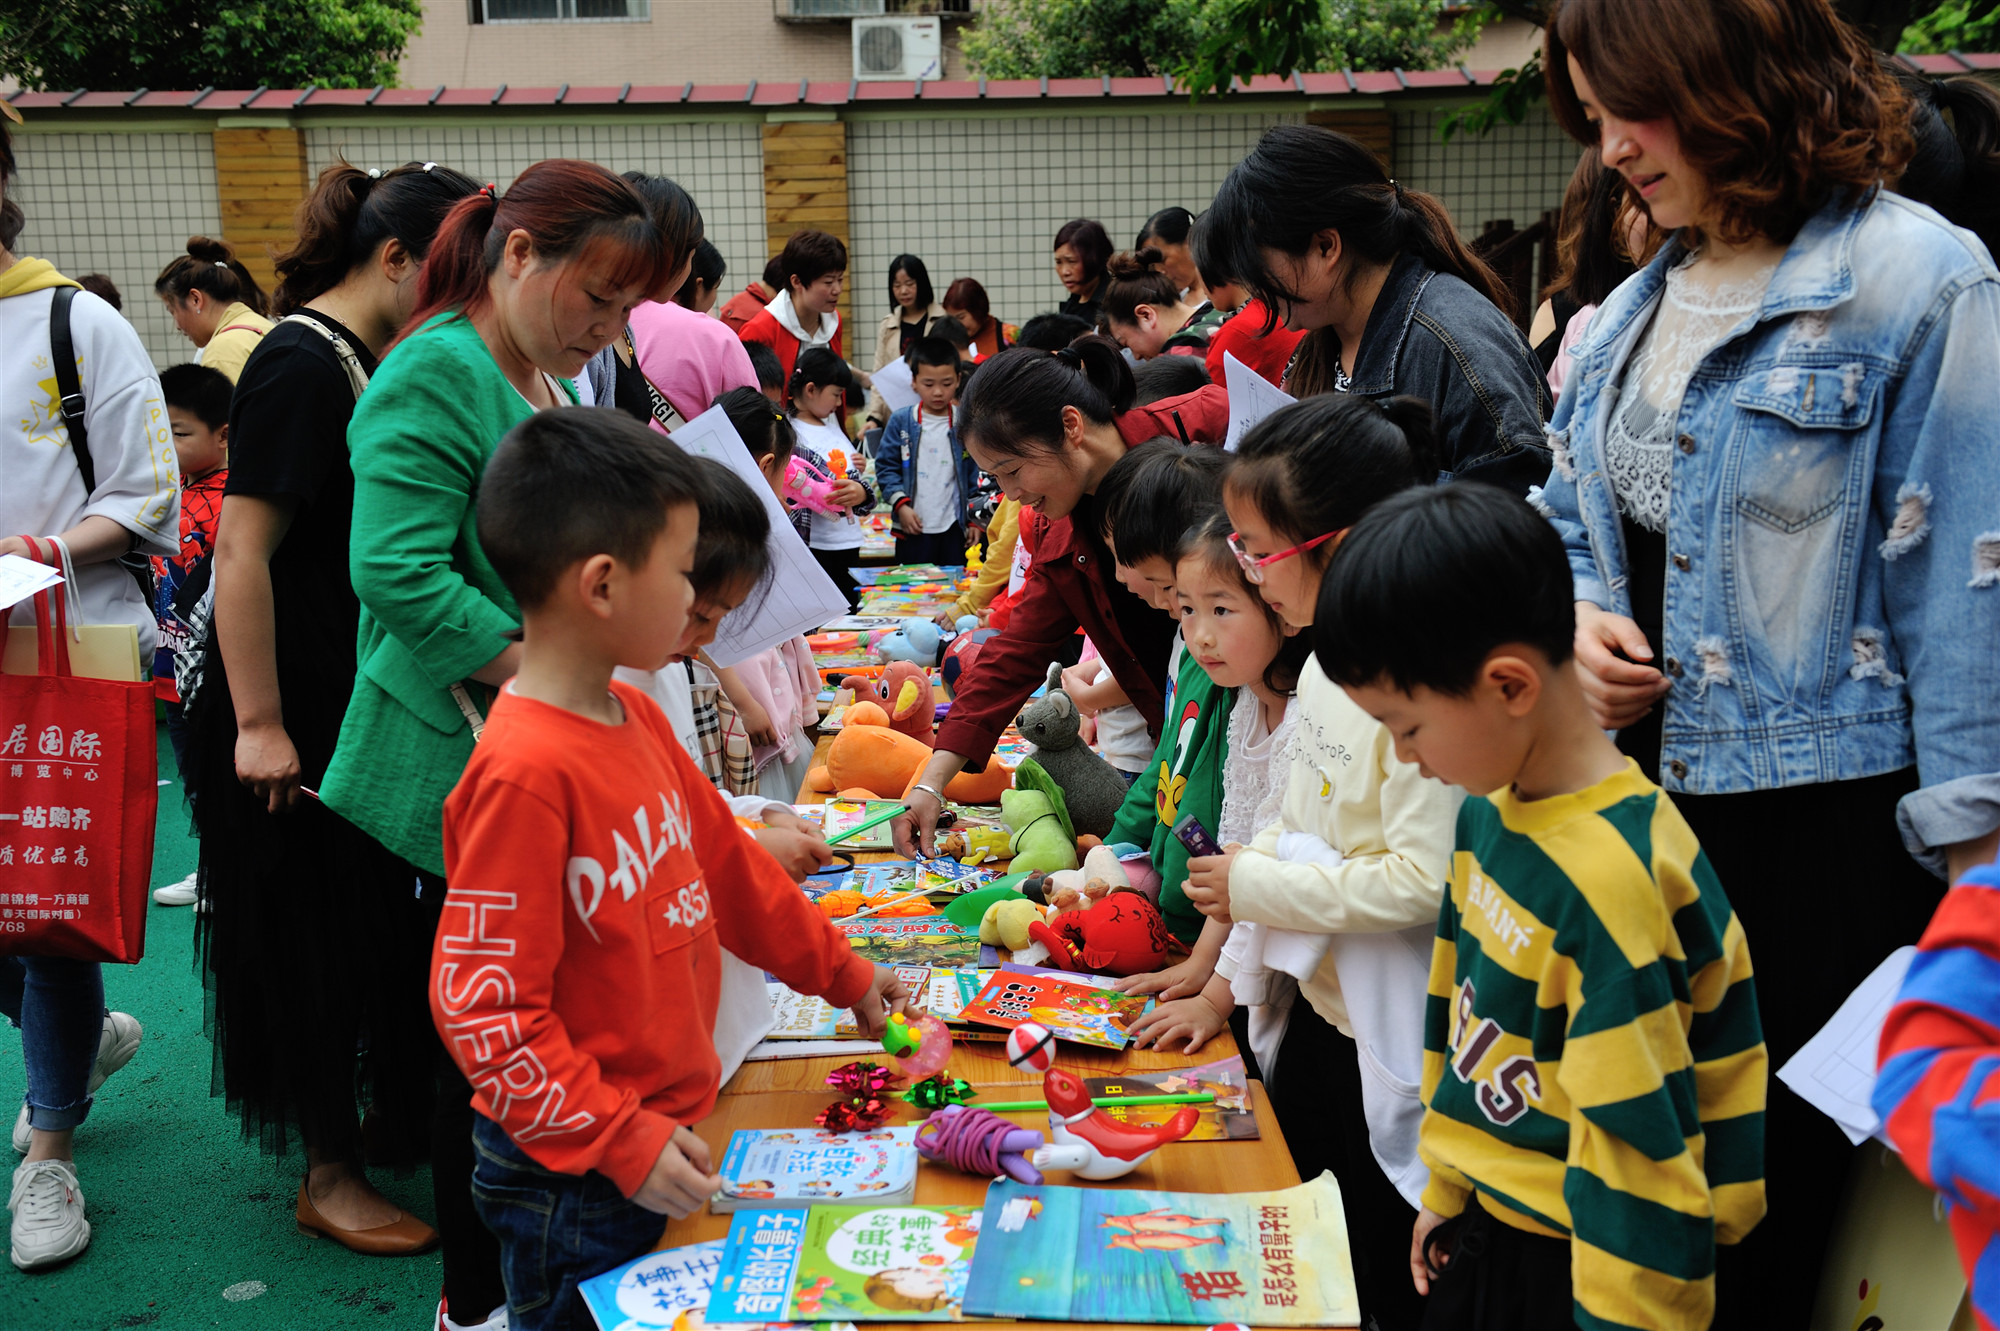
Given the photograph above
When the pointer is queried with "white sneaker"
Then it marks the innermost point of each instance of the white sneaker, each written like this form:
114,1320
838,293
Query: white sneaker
48,1215
497,1321
115,1047
177,894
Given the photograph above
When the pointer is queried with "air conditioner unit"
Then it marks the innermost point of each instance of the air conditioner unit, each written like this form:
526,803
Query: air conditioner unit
898,48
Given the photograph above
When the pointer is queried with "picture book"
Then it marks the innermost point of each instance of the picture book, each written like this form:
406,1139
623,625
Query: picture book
843,814
1071,1011
858,1263
1230,1118
767,1167
797,1016
1129,1255
930,941
665,1291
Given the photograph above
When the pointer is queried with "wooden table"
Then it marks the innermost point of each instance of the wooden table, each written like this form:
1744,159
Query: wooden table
788,1092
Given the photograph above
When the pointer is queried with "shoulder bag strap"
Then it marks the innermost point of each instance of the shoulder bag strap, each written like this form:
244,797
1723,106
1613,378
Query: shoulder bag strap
357,378
663,410
68,387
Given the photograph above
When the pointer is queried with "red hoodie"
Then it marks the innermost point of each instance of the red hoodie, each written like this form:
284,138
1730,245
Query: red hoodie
574,976
765,328
744,306
1243,336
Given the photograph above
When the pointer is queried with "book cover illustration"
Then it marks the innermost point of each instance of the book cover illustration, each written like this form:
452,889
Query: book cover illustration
774,1166
1101,1017
929,941
843,814
857,1263
797,1016
1128,1255
1230,1118
664,1291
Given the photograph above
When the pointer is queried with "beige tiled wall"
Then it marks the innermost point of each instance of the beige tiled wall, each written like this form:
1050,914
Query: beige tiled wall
122,205
1515,173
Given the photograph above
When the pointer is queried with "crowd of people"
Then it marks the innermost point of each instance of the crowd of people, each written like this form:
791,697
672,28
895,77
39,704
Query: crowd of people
1532,685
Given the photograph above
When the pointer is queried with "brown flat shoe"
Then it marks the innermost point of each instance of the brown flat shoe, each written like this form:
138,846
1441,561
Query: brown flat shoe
399,1238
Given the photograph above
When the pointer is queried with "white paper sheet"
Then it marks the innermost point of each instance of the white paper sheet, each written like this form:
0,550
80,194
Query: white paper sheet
894,382
1834,1072
21,577
1252,397
772,1050
799,596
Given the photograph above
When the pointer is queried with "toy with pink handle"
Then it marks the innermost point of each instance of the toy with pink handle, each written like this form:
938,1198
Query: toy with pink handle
918,1048
971,1139
805,490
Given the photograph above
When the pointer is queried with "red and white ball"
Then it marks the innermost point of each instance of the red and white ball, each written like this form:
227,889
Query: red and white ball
1030,1046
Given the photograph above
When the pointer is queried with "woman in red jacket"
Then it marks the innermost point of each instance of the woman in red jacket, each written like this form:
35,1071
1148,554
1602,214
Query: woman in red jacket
1048,428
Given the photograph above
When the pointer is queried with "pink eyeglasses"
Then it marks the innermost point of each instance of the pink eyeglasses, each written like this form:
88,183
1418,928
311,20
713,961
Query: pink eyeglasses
1253,569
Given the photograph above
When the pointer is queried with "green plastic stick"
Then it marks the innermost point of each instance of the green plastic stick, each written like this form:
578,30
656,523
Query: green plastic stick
1111,1101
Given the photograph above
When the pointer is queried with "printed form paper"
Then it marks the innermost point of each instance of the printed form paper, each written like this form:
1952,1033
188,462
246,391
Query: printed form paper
1252,397
21,577
799,596
896,385
1834,1072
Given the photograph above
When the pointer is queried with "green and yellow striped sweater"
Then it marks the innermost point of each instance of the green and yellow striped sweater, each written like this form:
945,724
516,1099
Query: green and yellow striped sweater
1593,1063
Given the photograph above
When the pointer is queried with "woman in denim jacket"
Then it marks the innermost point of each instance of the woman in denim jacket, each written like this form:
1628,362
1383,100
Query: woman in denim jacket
1395,303
1775,473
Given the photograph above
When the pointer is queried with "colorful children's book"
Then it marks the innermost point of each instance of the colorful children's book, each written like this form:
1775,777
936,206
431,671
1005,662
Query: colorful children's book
1071,1011
931,941
767,1167
861,1263
797,1016
665,1291
1230,1118
1127,1255
843,814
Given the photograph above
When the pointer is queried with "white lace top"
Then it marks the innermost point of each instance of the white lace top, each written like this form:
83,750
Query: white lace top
1253,774
1688,323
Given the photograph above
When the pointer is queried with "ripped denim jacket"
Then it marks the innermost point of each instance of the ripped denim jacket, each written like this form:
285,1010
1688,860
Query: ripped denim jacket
1833,539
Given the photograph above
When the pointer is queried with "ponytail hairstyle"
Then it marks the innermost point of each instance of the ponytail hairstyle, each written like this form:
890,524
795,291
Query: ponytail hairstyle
1091,242
12,219
569,209
1316,466
352,213
1208,542
820,367
1590,241
212,268
1136,279
1956,166
1170,225
708,268
765,430
1014,405
734,549
1300,180
675,213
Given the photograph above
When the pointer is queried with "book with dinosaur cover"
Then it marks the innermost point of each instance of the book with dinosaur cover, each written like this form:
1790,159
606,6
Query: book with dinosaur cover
1101,1017
1230,1118
1129,1255
767,1167
854,1263
929,941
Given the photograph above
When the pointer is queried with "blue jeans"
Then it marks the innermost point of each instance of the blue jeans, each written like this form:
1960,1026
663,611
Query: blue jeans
555,1230
59,1006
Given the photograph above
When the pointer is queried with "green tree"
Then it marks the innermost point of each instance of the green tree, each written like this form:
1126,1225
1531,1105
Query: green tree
1069,39
203,43
1955,25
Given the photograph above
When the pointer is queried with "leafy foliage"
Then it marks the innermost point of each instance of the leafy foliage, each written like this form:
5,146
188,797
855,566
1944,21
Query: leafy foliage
200,43
1955,25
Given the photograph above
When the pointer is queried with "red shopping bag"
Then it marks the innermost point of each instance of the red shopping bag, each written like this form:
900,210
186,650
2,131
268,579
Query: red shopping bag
78,797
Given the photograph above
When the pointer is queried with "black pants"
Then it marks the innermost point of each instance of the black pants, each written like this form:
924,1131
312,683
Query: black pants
945,548
839,565
1494,1277
1317,1096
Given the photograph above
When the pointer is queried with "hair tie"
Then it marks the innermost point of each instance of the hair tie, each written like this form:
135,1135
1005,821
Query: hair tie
1397,186
222,263
374,173
1070,356
490,192
429,167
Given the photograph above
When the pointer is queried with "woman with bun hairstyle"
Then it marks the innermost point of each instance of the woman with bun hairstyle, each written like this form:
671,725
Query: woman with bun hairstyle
1146,312
1392,300
521,289
1082,248
1780,524
310,940
216,304
1170,231
1049,427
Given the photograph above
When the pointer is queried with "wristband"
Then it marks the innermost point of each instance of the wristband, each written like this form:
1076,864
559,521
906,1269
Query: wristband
932,791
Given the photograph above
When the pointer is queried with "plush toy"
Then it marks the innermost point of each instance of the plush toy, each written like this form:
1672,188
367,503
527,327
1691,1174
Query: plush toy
974,845
1039,840
916,642
963,653
910,704
1101,875
864,712
876,759
1006,924
804,490
1120,933
1092,789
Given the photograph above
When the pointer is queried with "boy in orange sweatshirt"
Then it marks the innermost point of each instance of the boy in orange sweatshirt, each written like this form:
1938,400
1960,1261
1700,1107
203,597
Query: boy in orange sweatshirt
574,974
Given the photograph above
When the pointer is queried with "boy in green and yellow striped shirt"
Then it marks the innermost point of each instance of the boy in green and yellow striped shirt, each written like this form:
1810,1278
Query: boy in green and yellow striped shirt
1594,1072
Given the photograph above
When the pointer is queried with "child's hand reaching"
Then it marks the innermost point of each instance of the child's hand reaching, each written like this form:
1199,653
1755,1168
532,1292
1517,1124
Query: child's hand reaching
884,996
1208,882
1176,981
798,852
681,1179
1193,1020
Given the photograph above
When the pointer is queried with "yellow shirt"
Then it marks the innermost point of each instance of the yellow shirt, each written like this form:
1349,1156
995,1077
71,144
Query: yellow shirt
237,334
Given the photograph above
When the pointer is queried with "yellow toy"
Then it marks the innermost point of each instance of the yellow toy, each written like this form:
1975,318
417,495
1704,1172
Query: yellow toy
975,845
1005,923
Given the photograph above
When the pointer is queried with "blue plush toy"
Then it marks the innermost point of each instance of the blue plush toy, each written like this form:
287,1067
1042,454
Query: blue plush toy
916,642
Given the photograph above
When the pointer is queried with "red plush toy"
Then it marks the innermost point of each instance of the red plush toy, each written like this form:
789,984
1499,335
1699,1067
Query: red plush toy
905,692
1120,934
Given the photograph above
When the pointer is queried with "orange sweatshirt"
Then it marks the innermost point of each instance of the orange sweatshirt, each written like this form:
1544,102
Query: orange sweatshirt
574,976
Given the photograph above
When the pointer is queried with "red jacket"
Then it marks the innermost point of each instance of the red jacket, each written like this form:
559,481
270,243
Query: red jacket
1071,585
742,307
1243,337
574,976
765,328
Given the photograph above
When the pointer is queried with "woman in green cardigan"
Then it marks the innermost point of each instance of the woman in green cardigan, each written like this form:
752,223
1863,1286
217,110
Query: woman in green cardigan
519,292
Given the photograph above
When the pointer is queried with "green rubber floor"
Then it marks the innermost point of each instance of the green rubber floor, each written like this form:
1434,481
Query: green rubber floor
191,1226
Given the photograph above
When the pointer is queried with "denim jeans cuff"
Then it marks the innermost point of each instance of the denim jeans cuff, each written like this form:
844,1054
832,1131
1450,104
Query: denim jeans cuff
60,1119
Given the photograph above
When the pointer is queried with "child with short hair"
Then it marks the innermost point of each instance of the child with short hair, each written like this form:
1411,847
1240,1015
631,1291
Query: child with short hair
818,392
770,374
574,969
197,400
920,464
1588,1184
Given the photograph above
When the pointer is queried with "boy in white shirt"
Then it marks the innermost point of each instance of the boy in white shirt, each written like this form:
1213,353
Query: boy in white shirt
921,466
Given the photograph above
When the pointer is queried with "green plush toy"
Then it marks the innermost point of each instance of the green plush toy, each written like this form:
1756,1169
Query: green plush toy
1039,841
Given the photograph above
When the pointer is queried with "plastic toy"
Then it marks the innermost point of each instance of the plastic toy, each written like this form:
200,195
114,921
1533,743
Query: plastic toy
1091,788
1090,1142
979,1143
963,653
918,1048
974,845
1039,840
1008,923
807,491
910,704
1030,1046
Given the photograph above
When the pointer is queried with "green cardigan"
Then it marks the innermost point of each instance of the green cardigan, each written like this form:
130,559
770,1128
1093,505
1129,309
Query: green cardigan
1184,777
432,608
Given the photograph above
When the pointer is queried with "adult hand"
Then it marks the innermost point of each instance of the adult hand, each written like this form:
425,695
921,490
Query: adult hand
848,493
1420,1270
1208,882
885,995
916,832
906,520
1177,981
797,853
681,1179
1619,688
268,763
1192,1020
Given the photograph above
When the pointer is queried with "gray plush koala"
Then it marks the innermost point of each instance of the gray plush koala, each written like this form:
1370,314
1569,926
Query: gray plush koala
1092,788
